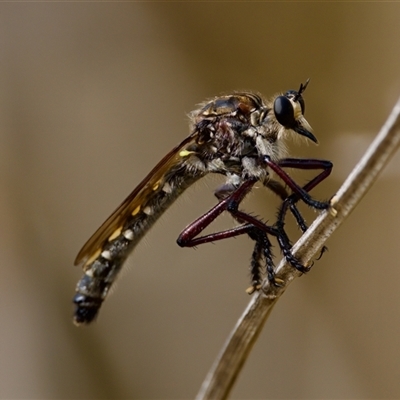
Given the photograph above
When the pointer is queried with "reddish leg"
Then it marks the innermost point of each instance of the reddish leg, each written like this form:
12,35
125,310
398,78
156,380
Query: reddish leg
255,228
230,199
298,191
290,201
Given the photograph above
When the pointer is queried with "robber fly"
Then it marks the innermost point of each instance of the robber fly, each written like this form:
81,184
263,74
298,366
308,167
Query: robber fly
240,136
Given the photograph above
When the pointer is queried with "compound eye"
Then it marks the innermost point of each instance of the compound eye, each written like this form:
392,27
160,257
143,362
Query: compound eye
284,112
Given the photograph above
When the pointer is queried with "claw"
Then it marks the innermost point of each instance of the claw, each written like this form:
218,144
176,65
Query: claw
332,202
323,250
253,288
278,282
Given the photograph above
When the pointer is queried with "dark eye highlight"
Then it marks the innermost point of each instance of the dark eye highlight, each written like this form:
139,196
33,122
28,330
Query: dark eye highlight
284,112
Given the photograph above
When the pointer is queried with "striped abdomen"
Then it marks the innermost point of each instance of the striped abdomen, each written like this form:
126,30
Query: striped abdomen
104,265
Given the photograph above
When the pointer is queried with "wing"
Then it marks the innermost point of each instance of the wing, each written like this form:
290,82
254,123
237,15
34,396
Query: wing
134,200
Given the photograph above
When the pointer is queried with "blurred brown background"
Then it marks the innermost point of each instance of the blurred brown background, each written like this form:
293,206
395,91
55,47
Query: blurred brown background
92,96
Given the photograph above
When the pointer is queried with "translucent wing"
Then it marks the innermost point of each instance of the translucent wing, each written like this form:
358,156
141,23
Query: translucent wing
134,200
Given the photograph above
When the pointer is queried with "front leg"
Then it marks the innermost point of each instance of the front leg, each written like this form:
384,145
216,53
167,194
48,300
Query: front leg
279,189
298,191
290,201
